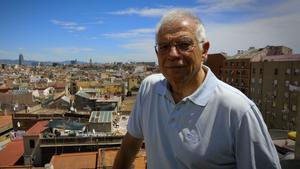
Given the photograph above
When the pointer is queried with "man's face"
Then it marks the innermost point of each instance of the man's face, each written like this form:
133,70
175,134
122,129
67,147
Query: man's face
178,52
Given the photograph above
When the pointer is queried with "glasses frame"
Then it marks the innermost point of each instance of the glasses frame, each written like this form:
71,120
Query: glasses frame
193,45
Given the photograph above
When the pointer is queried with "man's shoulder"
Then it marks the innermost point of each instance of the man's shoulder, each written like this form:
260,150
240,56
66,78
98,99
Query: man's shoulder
233,97
153,79
152,82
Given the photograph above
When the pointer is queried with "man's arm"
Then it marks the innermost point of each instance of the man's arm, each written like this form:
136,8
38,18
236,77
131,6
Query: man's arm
129,149
254,146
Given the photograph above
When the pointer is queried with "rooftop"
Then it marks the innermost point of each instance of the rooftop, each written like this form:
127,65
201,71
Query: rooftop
37,128
5,121
11,153
88,160
101,117
127,104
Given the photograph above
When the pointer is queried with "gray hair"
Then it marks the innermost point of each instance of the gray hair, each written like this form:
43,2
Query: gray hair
179,15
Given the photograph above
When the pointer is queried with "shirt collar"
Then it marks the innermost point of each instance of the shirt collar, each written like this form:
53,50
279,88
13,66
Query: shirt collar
201,95
205,90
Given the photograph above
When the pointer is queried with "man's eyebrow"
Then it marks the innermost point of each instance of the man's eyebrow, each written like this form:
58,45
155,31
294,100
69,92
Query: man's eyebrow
183,38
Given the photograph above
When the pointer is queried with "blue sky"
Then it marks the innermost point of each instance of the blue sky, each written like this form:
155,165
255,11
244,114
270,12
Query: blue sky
115,30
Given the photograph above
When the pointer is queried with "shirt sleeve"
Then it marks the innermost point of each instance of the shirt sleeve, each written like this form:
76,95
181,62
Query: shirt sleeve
134,126
254,148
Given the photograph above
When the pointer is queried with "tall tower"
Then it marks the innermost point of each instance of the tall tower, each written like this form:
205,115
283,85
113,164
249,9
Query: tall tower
21,59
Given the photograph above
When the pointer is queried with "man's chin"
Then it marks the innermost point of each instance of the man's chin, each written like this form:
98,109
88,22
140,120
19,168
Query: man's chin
176,79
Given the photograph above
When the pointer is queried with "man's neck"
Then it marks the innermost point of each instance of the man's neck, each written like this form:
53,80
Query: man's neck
182,90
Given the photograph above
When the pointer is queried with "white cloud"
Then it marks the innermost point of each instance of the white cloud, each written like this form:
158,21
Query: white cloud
140,44
204,6
140,49
280,30
214,6
70,26
145,32
152,12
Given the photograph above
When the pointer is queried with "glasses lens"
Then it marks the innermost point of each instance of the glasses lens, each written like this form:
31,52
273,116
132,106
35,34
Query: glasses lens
184,46
163,47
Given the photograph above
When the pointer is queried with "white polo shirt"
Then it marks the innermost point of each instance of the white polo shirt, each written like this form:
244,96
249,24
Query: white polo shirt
217,127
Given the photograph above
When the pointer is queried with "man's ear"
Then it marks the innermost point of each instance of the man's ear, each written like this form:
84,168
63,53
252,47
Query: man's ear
205,47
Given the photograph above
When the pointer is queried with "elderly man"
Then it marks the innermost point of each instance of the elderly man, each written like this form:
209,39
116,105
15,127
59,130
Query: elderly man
187,117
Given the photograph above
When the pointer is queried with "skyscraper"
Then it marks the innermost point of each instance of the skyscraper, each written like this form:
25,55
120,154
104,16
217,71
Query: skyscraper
21,59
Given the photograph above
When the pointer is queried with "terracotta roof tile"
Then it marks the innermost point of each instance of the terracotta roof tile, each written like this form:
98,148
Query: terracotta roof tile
5,120
74,160
11,153
87,160
37,128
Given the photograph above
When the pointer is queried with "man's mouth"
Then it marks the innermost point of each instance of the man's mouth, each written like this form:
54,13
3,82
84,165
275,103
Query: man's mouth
175,66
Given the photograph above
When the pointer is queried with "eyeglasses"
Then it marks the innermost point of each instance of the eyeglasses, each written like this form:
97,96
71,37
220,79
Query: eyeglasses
182,46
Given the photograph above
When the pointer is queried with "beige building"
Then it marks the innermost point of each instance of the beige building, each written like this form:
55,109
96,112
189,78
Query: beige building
271,88
133,83
236,70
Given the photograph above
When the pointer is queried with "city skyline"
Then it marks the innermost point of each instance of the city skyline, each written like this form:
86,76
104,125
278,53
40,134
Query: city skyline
113,31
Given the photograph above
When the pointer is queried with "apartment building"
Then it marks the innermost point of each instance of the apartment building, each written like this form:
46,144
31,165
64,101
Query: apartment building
216,62
237,69
271,88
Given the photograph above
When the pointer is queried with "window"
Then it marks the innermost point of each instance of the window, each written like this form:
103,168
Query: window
294,107
31,144
275,82
285,106
288,71
293,120
253,71
260,80
274,104
252,80
286,94
296,71
295,82
260,71
284,117
287,83
275,71
275,93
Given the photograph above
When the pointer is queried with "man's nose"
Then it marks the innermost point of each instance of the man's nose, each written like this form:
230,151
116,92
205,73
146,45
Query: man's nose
173,53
